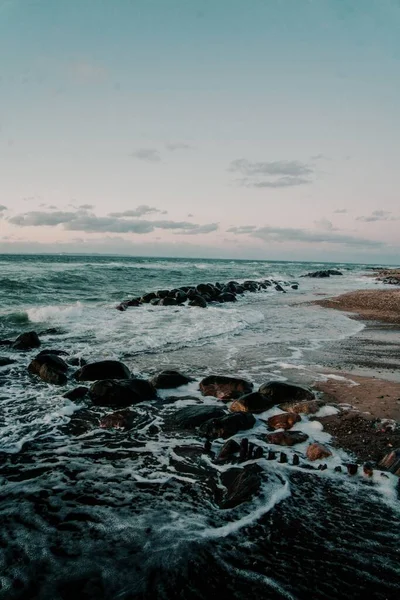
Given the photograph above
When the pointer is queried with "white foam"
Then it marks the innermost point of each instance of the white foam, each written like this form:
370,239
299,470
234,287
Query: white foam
56,314
327,411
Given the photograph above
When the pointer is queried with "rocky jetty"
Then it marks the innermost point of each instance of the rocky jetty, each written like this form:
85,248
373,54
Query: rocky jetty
323,274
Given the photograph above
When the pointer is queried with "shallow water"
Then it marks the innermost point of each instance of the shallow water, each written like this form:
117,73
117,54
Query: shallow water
111,514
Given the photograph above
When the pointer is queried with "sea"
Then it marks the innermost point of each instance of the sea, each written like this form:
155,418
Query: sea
112,514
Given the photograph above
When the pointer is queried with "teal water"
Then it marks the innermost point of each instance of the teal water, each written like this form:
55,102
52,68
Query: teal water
110,514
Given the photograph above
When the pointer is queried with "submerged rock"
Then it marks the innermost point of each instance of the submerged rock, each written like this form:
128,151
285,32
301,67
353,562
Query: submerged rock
227,426
169,379
283,421
50,368
279,391
122,419
121,392
190,417
225,388
5,361
317,451
322,274
27,341
103,369
241,485
77,393
287,438
253,403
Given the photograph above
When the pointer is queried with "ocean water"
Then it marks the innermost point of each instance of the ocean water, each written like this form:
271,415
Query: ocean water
111,514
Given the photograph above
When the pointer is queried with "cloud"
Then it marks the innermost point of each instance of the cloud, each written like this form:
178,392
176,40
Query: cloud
325,224
281,173
3,208
378,215
178,146
340,211
201,229
287,234
140,211
40,218
147,154
86,206
242,229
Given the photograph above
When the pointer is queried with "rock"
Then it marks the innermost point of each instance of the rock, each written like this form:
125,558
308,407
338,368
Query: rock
317,451
145,299
279,288
77,393
6,343
321,274
352,468
77,361
190,417
122,306
133,302
50,375
81,422
180,297
162,293
50,368
240,484
278,391
167,301
283,457
104,369
227,426
254,403
287,438
271,455
169,379
307,407
228,450
294,286
123,419
391,462
197,300
283,421
5,361
225,388
296,460
27,341
227,297
205,288
369,469
155,301
53,352
121,392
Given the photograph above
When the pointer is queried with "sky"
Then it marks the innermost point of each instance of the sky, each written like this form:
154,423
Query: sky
265,129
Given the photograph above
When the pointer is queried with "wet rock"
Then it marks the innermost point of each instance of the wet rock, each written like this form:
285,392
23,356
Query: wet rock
122,306
283,458
279,391
6,343
391,462
254,403
162,293
180,296
228,450
121,392
244,449
167,301
369,469
145,299
322,467
352,468
191,417
283,421
50,375
169,379
306,407
295,460
338,469
205,288
53,352
258,452
323,274
227,297
122,419
241,485
227,426
155,301
50,368
294,286
5,361
317,451
225,388
77,361
27,341
279,288
197,300
271,455
77,393
287,438
104,369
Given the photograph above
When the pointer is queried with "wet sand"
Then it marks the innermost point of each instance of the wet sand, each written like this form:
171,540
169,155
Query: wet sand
375,305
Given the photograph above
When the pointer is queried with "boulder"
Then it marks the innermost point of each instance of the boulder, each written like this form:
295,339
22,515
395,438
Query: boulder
27,341
50,375
279,288
228,450
167,301
286,438
294,286
155,301
145,299
283,421
190,417
253,403
227,297
317,451
122,419
53,352
227,426
77,361
322,274
6,343
162,293
50,368
77,393
121,392
180,296
169,379
205,288
278,391
391,462
225,388
308,407
103,369
241,485
196,300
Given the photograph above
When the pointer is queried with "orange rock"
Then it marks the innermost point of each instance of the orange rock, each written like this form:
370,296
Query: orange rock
283,421
316,451
308,407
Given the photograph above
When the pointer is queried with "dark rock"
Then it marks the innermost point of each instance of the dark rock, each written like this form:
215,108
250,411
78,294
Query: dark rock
271,455
169,379
51,375
244,449
228,450
77,361
306,407
134,302
103,369
317,451
167,301
254,403
278,391
122,419
294,286
287,438
279,288
4,361
225,388
227,297
6,343
205,288
121,392
352,468
227,426
196,300
283,457
162,293
155,301
122,306
49,367
190,417
283,421
258,452
27,341
369,469
296,460
322,274
145,299
338,469
241,485
53,352
322,467
391,462
76,394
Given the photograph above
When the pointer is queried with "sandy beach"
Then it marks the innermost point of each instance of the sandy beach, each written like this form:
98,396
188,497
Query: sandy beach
375,305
